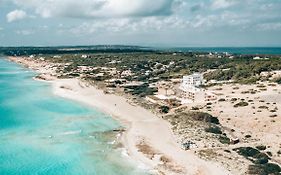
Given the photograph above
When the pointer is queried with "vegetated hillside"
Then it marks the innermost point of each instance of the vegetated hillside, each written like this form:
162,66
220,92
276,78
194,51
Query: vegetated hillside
148,64
166,65
25,51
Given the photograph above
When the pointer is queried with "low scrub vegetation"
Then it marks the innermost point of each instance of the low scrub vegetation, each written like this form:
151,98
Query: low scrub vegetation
214,130
260,160
241,104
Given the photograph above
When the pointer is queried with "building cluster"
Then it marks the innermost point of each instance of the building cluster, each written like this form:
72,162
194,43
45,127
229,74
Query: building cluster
187,90
215,55
260,58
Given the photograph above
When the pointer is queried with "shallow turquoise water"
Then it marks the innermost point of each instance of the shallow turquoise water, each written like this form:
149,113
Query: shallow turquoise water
46,135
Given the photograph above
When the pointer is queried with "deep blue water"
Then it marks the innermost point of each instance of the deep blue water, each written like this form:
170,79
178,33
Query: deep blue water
41,134
232,50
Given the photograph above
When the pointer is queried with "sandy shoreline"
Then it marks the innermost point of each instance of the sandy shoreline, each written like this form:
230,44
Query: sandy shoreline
148,138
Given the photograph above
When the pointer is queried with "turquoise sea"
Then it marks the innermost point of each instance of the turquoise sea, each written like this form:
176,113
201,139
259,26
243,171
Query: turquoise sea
41,134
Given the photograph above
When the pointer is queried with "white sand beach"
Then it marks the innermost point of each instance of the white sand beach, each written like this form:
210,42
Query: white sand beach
148,138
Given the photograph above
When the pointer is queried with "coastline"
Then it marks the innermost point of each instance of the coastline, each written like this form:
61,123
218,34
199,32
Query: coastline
147,139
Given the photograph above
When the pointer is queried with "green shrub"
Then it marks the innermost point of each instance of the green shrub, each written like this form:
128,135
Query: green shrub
224,140
222,99
247,151
272,168
263,107
261,147
164,109
194,108
253,154
261,161
202,116
269,153
227,151
264,169
261,86
261,156
214,130
241,104
278,80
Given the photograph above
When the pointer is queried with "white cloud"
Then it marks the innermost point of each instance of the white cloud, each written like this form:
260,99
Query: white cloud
148,24
270,26
99,8
225,19
220,4
16,15
160,24
24,32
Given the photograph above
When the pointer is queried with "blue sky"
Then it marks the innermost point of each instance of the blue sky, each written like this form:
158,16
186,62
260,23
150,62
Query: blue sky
140,22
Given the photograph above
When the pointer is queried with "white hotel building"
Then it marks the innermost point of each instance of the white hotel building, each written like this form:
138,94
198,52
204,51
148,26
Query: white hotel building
195,79
190,90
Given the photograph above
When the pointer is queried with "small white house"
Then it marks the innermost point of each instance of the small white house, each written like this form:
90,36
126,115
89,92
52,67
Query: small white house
260,58
84,56
57,56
